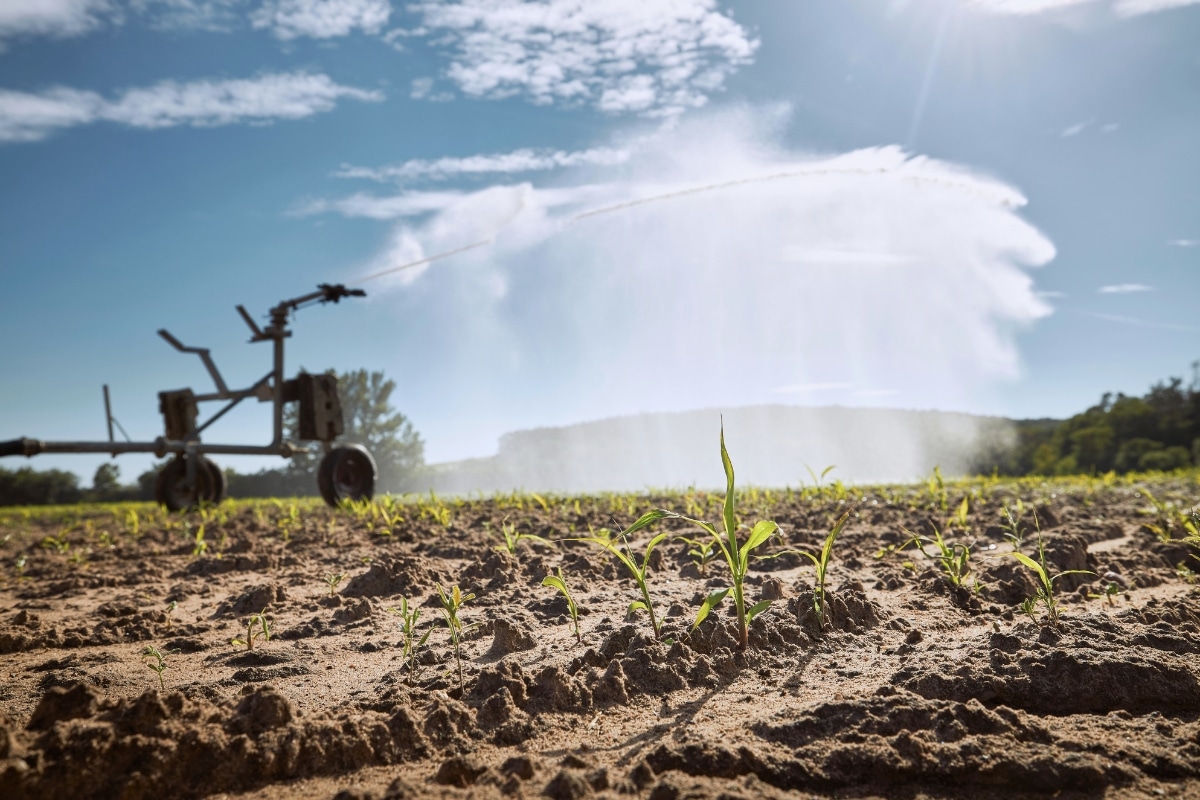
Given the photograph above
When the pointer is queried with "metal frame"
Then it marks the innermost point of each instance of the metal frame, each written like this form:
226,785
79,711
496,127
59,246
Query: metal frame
268,388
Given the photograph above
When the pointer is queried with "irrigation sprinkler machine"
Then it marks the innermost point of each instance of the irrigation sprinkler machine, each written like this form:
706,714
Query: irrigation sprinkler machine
190,478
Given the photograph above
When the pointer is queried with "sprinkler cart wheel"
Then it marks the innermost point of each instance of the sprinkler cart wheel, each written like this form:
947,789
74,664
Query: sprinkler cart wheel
218,482
347,473
171,490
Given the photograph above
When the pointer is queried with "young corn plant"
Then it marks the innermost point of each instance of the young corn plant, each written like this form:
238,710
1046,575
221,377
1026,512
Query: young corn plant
936,487
737,553
1164,513
1045,593
257,627
959,520
816,479
199,546
821,562
157,663
332,580
953,558
513,538
452,602
410,644
701,552
1011,523
620,548
559,581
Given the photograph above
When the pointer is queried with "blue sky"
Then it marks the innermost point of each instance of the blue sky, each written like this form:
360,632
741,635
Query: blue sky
987,206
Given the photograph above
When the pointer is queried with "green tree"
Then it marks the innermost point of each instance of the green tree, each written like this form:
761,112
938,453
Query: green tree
106,483
26,486
370,420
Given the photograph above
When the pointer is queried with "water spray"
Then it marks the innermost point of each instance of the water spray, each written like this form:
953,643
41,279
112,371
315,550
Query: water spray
712,187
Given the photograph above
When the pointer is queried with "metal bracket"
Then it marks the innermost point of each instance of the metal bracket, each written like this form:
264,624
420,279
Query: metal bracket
222,389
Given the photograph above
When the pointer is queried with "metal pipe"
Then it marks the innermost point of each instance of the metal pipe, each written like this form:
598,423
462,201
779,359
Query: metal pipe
277,439
108,413
160,447
221,413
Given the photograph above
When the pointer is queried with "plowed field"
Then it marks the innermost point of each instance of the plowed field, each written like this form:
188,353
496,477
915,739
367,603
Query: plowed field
912,687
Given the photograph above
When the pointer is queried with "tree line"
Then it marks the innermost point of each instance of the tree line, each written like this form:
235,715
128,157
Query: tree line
369,419
1158,431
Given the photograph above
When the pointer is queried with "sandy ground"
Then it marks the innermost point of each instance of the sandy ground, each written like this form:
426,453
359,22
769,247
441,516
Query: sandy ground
911,688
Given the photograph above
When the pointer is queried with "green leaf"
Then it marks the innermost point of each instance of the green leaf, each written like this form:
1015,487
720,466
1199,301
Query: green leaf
710,602
646,520
555,583
1073,572
1029,562
729,515
650,548
762,531
757,609
636,605
425,637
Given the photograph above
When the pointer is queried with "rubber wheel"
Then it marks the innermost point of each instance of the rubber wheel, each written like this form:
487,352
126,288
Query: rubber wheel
170,488
217,480
347,473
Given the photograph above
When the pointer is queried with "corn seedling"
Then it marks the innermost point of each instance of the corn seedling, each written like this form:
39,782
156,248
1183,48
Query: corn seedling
512,537
559,581
953,558
199,546
816,479
157,663
170,613
58,544
1011,523
288,522
410,644
959,520
936,487
701,552
1165,516
620,548
1045,593
257,627
737,554
1111,591
332,580
452,602
821,562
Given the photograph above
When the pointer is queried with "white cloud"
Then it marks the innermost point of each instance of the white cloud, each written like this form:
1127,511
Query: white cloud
1184,243
656,58
809,388
1129,8
1140,323
524,160
1122,8
204,15
51,17
662,287
28,116
1074,130
321,19
1125,288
